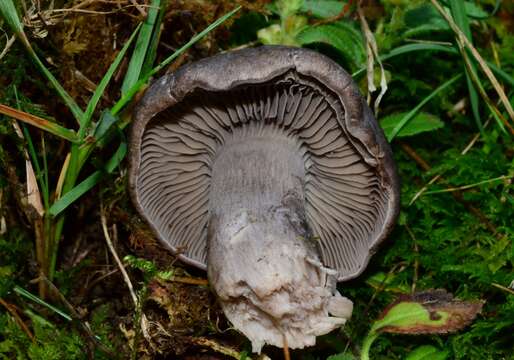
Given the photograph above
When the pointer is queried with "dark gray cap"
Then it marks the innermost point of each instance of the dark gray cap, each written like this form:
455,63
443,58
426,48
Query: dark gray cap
351,186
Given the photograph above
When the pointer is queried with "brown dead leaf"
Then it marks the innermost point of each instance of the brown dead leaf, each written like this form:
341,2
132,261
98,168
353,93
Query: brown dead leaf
428,312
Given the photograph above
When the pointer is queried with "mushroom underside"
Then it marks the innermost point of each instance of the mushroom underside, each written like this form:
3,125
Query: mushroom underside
345,200
263,185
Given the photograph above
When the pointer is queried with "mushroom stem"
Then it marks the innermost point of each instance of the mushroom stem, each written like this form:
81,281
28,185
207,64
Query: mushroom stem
262,261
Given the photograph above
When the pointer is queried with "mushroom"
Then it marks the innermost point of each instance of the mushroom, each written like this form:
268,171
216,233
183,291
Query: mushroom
266,168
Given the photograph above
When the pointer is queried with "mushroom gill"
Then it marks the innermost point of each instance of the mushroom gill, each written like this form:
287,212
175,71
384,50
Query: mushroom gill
275,182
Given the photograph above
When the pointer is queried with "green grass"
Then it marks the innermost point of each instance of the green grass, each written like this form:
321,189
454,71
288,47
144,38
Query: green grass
438,100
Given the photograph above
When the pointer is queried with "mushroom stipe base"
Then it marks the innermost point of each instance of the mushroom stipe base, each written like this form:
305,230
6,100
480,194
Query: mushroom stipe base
269,169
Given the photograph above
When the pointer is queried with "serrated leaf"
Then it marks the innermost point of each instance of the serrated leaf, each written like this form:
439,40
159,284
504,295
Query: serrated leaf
341,36
427,352
322,8
420,123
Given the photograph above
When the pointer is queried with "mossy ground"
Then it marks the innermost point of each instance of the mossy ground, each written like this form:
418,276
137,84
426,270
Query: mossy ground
460,240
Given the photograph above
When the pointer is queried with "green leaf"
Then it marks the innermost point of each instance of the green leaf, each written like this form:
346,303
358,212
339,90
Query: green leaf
420,123
71,196
322,8
142,45
342,36
411,114
93,102
409,48
191,42
427,312
406,315
427,352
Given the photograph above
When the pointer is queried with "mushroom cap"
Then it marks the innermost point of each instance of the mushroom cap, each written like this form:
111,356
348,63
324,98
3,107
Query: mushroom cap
351,186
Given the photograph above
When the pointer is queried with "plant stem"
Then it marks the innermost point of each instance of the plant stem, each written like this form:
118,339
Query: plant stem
366,345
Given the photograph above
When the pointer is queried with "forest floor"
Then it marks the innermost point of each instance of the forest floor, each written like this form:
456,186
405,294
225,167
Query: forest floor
455,157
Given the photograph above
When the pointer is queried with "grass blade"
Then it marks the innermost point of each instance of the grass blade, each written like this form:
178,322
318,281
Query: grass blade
68,100
458,12
405,49
142,45
418,107
479,59
193,40
151,53
497,115
134,89
34,298
40,123
10,15
93,102
71,196
42,177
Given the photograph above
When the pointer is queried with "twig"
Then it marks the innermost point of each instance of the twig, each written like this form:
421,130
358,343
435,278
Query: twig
126,278
470,186
287,356
8,45
456,194
464,40
225,350
17,318
114,254
504,288
372,54
190,281
416,260
437,177
139,8
76,316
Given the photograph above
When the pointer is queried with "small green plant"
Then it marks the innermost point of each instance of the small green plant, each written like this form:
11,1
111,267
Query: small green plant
294,29
90,135
428,312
